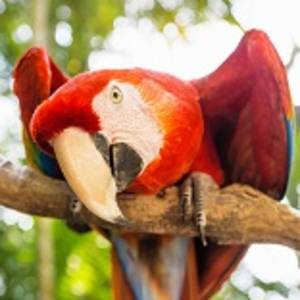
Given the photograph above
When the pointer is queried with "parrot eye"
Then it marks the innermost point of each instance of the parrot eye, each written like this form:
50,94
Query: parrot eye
116,95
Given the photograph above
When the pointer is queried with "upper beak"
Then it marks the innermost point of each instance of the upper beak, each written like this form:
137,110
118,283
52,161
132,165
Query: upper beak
85,165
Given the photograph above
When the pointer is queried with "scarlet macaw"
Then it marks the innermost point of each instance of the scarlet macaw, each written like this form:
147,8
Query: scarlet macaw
140,131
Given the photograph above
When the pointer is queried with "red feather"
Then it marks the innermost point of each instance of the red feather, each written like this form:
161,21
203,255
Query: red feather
245,103
177,111
36,77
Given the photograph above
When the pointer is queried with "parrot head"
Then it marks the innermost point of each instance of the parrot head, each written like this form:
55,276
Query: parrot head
121,130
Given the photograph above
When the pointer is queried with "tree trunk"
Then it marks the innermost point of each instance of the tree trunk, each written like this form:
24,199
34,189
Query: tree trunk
44,226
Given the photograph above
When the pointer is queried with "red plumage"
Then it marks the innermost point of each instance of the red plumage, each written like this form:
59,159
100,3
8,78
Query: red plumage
179,117
232,124
36,77
247,106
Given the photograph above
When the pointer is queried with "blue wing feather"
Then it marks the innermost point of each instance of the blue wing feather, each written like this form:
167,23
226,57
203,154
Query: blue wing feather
290,131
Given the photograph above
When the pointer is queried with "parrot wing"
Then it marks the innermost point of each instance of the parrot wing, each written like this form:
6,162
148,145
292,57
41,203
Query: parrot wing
248,111
247,107
36,77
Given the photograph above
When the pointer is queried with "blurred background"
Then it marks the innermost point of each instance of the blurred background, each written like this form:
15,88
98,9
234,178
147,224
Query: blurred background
188,38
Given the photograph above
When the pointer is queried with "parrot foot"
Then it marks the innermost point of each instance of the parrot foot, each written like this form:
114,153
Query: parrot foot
192,203
73,220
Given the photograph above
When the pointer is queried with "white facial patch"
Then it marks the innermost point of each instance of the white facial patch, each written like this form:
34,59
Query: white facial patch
126,118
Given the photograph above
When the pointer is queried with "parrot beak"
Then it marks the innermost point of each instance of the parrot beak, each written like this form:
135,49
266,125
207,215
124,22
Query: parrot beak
125,162
88,173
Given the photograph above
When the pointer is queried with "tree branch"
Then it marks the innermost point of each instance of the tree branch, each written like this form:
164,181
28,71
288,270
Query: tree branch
295,52
236,214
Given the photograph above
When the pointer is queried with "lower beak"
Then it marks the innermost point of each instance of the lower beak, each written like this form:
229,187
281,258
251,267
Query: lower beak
87,173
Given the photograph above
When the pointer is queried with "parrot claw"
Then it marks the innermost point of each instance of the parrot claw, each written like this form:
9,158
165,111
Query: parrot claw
75,206
186,196
192,203
73,220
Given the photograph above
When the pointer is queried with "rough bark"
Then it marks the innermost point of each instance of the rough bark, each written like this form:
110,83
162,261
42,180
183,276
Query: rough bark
236,214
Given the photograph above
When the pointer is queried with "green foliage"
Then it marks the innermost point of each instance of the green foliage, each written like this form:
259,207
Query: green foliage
15,14
83,268
82,263
274,286
293,188
88,19
18,266
229,292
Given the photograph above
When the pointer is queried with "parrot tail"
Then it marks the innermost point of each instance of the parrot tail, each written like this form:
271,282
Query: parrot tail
215,265
147,267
